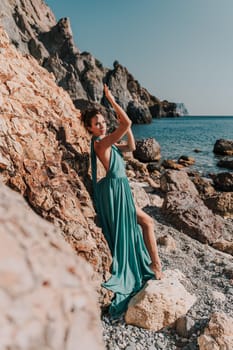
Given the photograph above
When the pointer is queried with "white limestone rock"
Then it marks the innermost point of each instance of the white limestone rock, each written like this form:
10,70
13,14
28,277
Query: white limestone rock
160,303
47,296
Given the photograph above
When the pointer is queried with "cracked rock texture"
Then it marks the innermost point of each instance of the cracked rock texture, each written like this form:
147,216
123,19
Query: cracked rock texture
44,152
47,299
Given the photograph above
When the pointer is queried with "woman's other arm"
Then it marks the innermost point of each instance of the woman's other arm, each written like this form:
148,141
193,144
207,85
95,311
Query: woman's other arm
129,144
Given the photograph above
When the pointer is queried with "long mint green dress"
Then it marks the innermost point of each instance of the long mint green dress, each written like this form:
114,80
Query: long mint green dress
117,215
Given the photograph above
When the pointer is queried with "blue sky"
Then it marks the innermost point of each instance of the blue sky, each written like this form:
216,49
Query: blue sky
179,50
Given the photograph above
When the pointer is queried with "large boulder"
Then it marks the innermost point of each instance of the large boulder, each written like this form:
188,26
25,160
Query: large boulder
190,215
172,180
147,150
183,208
160,303
218,335
47,296
223,147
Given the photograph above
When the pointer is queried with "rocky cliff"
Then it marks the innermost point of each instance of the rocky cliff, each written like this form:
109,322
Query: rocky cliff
44,152
181,109
33,29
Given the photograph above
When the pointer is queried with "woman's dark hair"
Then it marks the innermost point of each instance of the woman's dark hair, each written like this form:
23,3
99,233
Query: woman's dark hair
88,114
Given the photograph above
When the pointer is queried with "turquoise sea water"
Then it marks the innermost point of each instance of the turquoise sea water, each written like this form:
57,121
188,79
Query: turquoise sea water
181,136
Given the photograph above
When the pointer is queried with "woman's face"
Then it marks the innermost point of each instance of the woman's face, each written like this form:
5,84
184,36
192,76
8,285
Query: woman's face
98,125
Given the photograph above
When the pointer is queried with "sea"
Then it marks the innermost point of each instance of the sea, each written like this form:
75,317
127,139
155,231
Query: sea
183,135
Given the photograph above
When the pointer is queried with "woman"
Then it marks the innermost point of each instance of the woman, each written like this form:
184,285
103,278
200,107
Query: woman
131,266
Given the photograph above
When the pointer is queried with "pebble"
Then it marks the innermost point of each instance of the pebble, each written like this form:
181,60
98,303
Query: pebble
131,346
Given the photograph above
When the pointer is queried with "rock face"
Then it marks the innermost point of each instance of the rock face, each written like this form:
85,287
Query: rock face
32,28
44,152
160,303
219,333
47,298
223,147
23,20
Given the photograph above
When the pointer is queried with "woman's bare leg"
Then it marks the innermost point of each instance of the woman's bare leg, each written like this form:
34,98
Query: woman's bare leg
147,225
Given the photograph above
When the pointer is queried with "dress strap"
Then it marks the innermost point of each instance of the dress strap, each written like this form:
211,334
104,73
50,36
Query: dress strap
94,170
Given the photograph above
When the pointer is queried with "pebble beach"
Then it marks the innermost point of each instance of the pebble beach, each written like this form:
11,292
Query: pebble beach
210,277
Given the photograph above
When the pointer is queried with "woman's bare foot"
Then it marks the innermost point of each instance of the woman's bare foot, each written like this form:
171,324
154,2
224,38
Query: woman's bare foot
157,269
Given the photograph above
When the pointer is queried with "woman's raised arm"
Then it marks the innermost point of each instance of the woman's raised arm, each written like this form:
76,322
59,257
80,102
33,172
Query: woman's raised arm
124,123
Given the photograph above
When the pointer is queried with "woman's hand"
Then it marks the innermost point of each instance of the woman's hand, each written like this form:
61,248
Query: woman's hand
157,269
108,94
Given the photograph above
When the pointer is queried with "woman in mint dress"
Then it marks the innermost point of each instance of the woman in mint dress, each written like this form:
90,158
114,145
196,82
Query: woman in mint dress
134,251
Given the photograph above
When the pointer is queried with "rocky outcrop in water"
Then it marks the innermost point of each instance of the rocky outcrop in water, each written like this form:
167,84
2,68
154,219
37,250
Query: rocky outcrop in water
32,28
147,150
181,109
223,147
